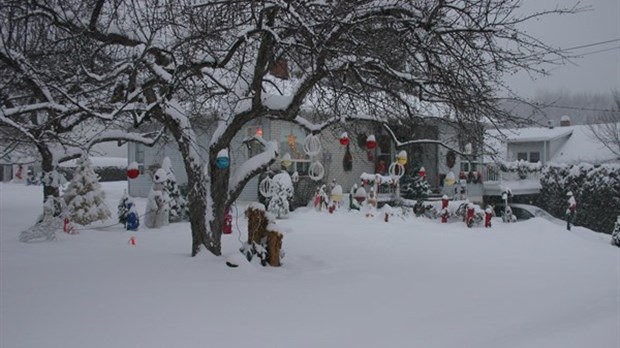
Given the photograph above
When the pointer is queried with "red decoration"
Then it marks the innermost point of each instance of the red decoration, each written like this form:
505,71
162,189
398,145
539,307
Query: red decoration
133,171
371,142
487,217
470,216
422,172
344,139
227,228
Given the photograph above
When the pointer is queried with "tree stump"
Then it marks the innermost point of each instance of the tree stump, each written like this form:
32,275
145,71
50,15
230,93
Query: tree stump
265,243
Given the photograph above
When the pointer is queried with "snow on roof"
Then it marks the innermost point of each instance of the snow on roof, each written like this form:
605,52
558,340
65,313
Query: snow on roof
120,162
582,146
532,134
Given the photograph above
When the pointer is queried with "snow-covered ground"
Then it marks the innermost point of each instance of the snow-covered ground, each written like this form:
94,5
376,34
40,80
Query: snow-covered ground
346,281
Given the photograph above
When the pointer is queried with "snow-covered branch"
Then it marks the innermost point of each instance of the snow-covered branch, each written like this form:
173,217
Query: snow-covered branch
251,168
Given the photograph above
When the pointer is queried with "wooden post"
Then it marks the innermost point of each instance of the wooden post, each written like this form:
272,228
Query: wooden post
258,234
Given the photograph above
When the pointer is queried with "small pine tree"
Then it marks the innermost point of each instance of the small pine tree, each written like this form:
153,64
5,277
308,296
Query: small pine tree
282,191
615,235
414,187
123,210
176,201
84,198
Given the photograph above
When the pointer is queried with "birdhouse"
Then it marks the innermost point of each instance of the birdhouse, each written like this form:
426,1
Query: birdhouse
286,160
422,172
344,139
222,161
133,170
371,142
402,157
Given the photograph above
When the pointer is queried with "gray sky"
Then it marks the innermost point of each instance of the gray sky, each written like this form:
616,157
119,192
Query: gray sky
594,73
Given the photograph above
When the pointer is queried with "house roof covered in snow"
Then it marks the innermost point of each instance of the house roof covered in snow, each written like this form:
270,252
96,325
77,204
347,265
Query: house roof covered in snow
580,144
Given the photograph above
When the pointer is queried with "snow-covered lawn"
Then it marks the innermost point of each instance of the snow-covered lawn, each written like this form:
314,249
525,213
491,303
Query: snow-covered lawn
346,281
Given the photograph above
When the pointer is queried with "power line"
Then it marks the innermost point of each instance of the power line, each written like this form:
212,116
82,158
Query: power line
599,51
591,44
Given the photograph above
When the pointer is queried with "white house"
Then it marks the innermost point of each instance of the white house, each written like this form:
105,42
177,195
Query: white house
291,137
565,144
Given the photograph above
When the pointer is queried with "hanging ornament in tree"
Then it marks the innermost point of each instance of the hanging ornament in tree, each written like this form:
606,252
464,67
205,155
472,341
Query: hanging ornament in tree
286,160
222,161
422,172
133,170
295,177
347,161
396,170
371,142
402,157
312,145
316,171
264,188
344,139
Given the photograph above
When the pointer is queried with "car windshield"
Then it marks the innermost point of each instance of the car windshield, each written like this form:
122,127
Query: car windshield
541,213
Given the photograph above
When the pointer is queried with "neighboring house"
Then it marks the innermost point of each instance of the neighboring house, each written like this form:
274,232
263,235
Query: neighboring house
565,144
291,137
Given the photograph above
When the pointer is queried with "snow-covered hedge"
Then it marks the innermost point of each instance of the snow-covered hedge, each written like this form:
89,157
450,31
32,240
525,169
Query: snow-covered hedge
596,189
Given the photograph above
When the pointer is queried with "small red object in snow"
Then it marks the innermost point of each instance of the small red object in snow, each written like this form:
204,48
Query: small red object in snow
227,229
132,240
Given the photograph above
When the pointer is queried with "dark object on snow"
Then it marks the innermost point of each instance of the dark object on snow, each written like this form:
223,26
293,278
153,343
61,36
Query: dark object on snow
262,242
347,161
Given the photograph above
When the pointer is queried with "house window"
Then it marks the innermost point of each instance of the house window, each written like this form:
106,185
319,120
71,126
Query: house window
291,141
522,156
534,157
254,146
139,157
469,166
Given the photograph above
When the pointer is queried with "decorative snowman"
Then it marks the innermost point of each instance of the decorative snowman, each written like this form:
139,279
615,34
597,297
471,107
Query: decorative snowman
157,208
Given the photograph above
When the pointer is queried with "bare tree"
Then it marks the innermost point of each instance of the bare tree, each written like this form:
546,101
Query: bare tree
311,63
47,94
606,128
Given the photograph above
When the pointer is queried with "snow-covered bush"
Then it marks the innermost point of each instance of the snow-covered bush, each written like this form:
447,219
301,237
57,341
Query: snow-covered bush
123,209
84,198
615,234
282,191
176,201
595,188
414,187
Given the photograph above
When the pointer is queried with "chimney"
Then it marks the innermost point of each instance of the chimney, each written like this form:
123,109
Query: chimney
565,121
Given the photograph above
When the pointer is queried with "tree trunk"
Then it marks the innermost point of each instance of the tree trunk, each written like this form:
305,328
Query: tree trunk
47,168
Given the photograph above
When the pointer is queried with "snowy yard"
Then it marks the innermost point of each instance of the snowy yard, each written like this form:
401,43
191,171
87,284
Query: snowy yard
346,281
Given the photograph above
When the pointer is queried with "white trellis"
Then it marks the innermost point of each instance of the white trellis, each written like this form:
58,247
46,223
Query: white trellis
312,145
396,170
316,171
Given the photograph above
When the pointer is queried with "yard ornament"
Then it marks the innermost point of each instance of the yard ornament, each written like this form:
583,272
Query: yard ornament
344,139
488,214
470,215
312,145
316,171
222,161
396,170
444,208
371,142
227,228
422,172
286,160
402,157
133,170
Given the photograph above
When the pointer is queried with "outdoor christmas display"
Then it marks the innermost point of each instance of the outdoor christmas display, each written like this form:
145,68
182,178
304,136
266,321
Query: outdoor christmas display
286,160
444,209
222,160
371,142
488,214
312,145
469,218
347,160
354,204
84,198
157,210
227,228
46,226
571,210
281,191
615,234
177,203
122,208
414,187
133,170
507,215
401,157
320,198
371,202
133,219
344,139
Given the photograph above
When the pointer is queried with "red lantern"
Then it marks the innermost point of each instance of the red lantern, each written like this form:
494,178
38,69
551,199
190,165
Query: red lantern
133,171
344,139
371,142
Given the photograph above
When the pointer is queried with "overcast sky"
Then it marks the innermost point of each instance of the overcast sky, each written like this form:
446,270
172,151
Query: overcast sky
595,72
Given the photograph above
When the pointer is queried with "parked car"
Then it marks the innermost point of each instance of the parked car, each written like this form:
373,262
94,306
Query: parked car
525,212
